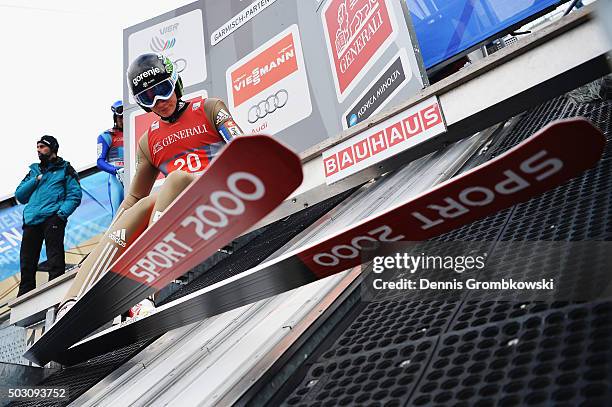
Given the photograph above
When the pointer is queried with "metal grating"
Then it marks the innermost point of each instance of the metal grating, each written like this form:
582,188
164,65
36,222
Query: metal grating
582,219
535,119
79,378
484,352
595,181
13,345
375,377
484,230
552,358
388,323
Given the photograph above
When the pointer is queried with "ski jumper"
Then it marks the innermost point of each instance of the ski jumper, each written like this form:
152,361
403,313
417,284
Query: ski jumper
110,159
180,149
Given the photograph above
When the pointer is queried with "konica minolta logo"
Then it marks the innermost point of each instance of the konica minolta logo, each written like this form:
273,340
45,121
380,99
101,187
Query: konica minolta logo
146,74
378,95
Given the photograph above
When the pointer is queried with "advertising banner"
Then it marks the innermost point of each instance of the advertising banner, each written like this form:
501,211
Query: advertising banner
181,39
396,134
239,20
300,71
268,89
357,32
395,75
11,221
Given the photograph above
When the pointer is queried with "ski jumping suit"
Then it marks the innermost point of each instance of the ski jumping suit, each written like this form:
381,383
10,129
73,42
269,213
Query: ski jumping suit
110,159
180,149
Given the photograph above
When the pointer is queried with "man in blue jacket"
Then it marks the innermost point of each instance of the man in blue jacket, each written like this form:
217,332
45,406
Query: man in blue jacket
51,192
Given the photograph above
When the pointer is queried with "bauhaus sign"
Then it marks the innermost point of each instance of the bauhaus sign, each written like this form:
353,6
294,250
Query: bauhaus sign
394,135
357,32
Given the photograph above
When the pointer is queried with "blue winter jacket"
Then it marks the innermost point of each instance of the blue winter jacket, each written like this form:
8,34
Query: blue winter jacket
57,192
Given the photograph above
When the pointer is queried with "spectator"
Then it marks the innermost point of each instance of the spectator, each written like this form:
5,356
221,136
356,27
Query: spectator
51,192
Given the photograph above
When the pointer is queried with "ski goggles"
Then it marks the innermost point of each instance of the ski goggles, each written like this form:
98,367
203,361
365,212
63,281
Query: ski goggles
117,110
161,91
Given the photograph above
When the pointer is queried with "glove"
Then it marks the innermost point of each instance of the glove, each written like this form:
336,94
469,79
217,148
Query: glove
120,174
57,219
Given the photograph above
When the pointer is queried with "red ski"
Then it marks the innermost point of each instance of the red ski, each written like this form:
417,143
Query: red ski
552,156
240,187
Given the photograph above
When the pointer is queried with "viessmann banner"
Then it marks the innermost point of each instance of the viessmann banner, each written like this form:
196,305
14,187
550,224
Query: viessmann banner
268,89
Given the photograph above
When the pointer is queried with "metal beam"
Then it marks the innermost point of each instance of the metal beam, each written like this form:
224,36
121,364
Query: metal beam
32,307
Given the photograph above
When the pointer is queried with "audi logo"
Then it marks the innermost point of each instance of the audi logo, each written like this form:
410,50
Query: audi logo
268,105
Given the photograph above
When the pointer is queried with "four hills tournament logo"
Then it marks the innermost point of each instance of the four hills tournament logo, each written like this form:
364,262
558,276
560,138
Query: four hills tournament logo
160,43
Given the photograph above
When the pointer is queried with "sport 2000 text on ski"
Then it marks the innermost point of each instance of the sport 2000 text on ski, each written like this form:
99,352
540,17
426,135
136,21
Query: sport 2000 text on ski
166,254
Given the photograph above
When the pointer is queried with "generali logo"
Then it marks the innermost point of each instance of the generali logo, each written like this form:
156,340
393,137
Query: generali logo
391,137
267,68
179,135
356,32
157,147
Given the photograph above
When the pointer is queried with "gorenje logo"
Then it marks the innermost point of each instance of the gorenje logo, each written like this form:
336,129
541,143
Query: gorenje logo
146,74
118,237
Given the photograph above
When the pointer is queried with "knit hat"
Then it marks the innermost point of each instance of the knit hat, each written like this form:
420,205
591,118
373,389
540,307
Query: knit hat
50,142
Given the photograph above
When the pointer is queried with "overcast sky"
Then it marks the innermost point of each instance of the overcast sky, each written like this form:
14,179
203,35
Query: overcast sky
62,70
